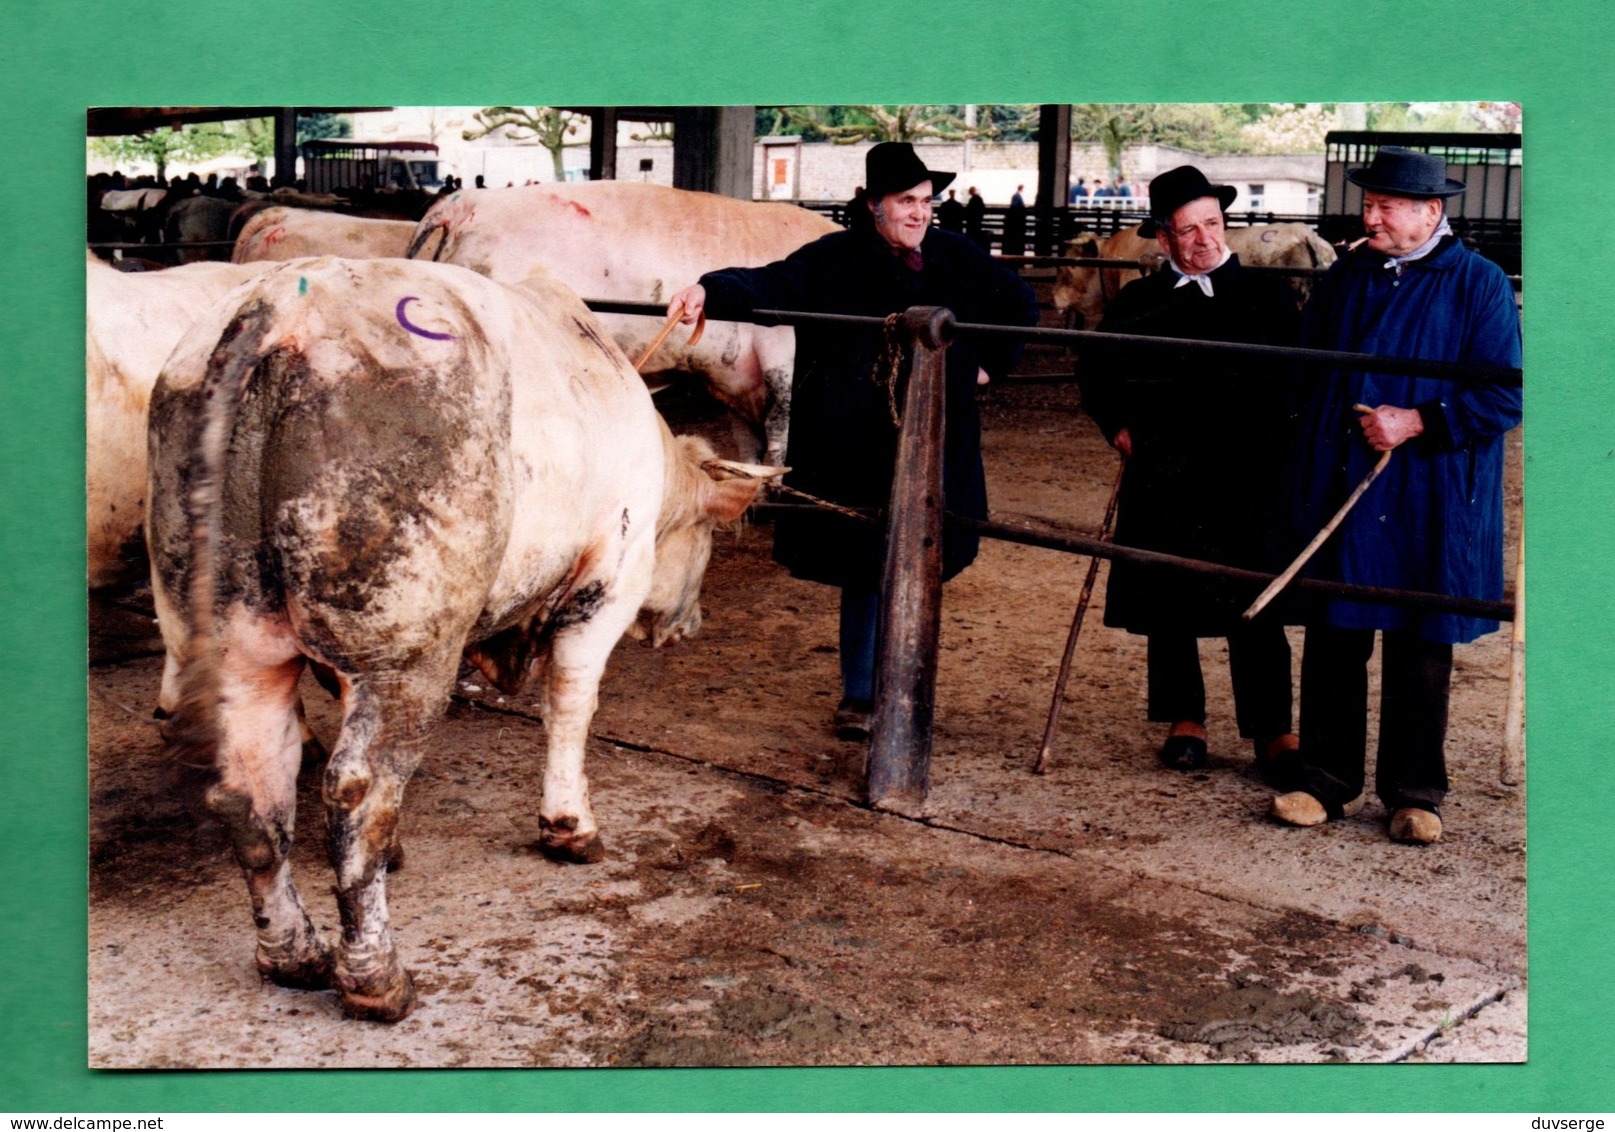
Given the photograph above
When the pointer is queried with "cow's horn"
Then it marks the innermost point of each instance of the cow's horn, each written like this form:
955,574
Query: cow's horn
719,469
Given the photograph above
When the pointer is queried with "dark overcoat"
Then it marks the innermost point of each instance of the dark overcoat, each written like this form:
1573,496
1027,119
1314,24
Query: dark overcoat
842,445
1433,521
1208,444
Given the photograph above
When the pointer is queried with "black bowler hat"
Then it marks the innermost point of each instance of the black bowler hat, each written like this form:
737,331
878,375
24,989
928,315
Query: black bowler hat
1406,173
893,167
1176,188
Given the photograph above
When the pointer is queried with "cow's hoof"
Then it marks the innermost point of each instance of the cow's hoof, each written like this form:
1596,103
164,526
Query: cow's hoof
308,972
570,849
391,1001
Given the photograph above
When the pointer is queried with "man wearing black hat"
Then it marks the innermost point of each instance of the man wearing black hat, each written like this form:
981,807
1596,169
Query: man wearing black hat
842,444
1202,437
1432,521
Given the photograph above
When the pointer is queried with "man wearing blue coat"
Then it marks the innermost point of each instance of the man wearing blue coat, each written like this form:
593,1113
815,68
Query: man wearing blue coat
1433,521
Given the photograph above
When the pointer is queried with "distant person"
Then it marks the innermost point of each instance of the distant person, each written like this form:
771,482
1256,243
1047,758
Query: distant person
478,182
950,214
1079,191
976,220
1015,224
1123,189
1100,189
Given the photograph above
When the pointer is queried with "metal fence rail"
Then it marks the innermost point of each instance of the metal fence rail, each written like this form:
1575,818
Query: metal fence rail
1089,341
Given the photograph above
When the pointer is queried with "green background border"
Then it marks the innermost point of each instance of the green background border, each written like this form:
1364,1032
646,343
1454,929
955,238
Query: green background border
59,57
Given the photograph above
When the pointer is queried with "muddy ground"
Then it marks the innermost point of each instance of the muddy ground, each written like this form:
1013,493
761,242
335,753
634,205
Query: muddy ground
752,911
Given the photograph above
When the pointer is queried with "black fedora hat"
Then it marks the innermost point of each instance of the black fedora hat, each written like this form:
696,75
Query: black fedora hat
1406,173
893,167
1176,188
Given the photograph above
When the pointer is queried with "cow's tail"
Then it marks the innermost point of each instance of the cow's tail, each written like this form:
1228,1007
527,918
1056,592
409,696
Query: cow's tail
193,732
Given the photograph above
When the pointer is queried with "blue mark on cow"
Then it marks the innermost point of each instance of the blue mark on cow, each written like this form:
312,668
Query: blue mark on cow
412,328
302,284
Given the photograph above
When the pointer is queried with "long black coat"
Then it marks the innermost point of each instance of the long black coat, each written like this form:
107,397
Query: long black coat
1209,440
842,444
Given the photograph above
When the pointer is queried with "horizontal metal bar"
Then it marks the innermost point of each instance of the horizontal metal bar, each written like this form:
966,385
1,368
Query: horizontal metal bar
127,246
1133,264
1089,339
1048,538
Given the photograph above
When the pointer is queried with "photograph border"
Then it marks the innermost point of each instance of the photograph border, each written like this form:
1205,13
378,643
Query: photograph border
67,56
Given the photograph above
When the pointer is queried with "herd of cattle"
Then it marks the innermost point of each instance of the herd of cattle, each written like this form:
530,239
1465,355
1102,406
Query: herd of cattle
381,448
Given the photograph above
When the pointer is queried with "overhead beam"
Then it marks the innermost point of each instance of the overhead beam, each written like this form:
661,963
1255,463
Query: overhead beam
118,121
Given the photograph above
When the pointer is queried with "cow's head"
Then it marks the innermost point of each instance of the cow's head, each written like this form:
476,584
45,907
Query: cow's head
1076,289
700,493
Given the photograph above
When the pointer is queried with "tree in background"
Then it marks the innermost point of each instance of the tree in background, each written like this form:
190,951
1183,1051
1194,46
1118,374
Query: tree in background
546,125
849,124
160,146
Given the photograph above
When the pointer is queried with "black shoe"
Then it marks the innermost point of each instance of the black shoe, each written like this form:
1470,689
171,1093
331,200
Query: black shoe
854,719
1183,752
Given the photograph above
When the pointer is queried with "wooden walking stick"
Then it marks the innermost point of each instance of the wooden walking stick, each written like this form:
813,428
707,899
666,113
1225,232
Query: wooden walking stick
667,328
1042,764
1511,769
1277,584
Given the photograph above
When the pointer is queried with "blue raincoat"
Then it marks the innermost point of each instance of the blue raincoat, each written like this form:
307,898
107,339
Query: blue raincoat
1433,521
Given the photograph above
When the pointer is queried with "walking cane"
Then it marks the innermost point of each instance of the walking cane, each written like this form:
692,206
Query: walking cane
1277,584
1042,764
1511,769
667,328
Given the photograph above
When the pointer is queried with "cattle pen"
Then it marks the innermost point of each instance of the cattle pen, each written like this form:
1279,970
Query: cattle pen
753,909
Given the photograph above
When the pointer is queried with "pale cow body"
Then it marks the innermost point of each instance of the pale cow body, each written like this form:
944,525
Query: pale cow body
633,242
373,465
1085,291
131,324
280,233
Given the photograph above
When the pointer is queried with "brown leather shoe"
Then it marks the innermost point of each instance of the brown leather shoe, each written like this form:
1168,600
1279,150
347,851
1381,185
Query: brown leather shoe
1302,809
1415,826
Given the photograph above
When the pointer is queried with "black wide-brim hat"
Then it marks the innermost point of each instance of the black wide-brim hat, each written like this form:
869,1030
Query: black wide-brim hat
894,167
1406,173
1176,188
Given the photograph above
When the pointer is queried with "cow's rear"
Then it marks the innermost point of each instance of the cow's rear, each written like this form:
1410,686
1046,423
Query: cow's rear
372,465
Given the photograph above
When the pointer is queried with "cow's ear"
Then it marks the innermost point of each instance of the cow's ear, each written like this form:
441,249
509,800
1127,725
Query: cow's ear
731,487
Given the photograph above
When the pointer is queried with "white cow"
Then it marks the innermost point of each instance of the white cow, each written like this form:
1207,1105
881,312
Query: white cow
374,464
131,324
280,233
633,242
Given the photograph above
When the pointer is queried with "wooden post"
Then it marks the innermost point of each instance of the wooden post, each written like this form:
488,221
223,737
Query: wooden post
905,673
1511,767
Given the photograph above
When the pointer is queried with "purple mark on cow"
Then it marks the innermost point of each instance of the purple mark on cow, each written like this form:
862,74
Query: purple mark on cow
412,328
1267,236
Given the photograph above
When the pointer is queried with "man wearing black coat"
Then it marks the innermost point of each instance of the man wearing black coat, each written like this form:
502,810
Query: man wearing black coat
843,440
1201,437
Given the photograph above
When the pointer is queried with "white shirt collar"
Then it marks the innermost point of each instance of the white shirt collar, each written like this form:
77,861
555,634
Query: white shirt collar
1200,279
1424,249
